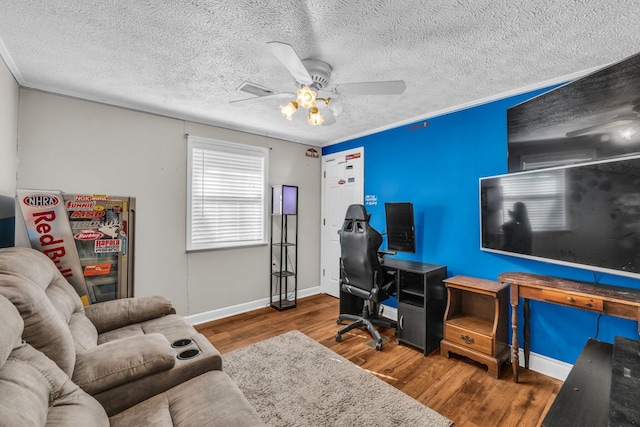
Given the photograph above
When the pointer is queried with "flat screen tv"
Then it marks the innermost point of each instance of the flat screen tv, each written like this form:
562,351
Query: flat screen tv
401,234
592,118
585,215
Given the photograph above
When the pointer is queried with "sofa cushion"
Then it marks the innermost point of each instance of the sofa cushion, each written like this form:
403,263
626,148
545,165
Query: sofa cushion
110,315
120,398
53,314
34,391
172,326
120,362
211,399
44,328
11,326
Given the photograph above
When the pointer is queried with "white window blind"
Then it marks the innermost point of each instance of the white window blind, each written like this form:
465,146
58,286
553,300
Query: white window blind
227,194
544,199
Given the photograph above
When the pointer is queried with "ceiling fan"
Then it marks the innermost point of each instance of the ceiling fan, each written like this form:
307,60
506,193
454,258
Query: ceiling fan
311,77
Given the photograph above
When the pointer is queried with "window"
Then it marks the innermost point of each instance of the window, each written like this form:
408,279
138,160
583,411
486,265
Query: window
226,194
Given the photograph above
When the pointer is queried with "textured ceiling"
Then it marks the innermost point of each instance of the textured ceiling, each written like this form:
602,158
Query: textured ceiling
185,59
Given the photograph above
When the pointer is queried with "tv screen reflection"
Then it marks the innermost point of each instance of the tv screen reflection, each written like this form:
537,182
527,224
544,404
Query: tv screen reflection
584,215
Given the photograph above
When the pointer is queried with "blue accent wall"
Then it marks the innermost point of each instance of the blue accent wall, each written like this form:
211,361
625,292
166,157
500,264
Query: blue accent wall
437,167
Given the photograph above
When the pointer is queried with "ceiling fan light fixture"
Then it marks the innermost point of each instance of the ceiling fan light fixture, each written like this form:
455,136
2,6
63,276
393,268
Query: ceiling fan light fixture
288,110
306,97
627,133
310,74
315,118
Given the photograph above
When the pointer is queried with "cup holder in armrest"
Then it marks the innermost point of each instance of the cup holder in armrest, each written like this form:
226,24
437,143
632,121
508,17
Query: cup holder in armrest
188,354
182,343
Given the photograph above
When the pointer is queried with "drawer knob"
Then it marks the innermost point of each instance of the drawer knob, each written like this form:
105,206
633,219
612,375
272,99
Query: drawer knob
467,339
571,299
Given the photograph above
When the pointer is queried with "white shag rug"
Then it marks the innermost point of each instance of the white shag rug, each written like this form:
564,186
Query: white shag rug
291,380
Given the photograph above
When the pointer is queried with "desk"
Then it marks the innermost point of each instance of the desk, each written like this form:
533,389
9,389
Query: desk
422,299
583,399
601,389
612,300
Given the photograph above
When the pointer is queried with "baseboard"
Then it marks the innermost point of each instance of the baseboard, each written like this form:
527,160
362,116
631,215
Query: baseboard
545,365
208,316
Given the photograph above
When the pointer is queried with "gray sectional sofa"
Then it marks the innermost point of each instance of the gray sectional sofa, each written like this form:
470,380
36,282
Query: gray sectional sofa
124,362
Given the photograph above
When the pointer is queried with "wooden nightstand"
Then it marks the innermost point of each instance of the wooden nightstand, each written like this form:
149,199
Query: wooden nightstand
475,321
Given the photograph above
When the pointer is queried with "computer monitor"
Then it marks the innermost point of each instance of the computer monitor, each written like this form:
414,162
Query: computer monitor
401,235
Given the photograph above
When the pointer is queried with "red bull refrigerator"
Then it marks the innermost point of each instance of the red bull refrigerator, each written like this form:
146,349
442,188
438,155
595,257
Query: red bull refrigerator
89,237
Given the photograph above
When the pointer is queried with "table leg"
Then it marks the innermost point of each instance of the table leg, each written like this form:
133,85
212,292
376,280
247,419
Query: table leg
514,331
527,336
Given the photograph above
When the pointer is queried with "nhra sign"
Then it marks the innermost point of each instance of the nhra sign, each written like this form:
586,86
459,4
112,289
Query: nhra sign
50,233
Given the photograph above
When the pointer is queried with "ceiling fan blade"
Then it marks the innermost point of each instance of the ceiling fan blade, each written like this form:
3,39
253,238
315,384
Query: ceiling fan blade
290,59
257,99
614,122
391,87
326,112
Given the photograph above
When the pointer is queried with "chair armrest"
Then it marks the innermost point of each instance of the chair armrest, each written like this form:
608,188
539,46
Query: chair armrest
114,314
388,286
117,362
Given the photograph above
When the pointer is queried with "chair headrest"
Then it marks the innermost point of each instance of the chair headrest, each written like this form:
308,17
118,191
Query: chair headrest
357,212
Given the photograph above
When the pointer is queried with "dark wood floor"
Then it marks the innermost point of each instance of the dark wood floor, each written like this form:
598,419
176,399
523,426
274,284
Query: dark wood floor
457,388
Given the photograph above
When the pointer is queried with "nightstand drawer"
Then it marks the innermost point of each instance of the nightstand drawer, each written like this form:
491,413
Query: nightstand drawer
563,298
467,338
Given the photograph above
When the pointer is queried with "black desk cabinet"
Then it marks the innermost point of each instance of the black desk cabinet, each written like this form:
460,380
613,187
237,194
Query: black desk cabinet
422,300
583,399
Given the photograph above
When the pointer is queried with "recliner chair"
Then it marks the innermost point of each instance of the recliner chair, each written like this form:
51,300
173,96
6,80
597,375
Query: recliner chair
118,351
361,274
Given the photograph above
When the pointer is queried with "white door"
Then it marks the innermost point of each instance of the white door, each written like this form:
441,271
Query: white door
342,185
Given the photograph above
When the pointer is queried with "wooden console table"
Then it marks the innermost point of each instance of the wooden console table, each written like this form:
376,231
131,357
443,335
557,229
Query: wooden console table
612,300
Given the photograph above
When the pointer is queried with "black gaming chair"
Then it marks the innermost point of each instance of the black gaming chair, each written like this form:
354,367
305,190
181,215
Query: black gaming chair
361,274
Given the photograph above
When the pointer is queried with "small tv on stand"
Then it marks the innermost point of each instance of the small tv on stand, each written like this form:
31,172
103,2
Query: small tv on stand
401,236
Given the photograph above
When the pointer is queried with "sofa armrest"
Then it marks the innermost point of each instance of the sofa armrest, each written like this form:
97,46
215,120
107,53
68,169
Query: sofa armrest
114,314
115,363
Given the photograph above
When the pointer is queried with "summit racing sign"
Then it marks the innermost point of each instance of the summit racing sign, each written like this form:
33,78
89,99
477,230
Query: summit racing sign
80,206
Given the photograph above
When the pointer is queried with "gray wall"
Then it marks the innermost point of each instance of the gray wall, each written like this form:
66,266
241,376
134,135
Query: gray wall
85,147
8,131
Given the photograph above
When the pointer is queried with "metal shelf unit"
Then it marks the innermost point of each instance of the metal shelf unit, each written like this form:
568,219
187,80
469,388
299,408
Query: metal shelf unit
284,247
